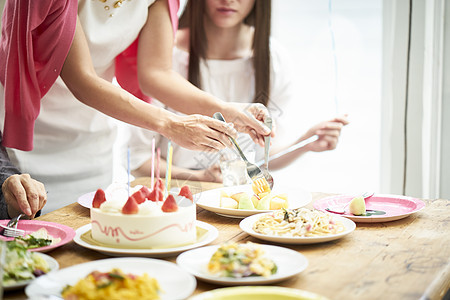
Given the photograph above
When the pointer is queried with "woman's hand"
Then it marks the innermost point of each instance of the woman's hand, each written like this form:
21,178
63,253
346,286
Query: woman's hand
328,132
201,133
23,194
249,118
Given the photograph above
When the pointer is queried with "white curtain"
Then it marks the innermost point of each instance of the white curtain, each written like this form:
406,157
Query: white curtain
412,114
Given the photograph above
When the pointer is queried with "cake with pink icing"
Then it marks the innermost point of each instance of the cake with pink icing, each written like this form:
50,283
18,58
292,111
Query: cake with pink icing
141,221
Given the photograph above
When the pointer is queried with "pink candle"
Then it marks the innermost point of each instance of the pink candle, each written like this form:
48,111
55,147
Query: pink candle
153,163
158,158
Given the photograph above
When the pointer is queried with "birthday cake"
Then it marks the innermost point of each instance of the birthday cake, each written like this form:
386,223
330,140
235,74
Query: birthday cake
143,220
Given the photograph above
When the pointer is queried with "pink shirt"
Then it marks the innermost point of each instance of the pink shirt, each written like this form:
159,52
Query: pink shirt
36,37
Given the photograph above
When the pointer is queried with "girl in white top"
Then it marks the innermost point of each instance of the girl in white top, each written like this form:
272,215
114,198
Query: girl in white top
73,142
235,43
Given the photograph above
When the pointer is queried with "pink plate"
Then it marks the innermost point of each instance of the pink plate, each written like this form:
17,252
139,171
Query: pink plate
65,233
86,199
395,207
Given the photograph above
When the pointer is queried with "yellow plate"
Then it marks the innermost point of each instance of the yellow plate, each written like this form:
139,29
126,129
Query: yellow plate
257,293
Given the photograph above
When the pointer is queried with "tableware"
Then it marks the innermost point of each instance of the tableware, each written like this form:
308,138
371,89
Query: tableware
253,170
394,207
210,200
265,169
247,226
234,171
52,263
85,200
210,235
10,230
289,263
340,209
56,230
290,149
257,293
175,282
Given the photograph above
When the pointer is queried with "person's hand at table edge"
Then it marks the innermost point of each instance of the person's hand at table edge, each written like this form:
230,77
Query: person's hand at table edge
23,194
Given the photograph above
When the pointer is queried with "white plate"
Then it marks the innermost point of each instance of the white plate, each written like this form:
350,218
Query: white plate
210,200
207,238
247,226
175,282
86,199
289,264
52,263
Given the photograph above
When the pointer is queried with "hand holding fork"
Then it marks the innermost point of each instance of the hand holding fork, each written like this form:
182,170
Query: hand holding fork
253,171
10,230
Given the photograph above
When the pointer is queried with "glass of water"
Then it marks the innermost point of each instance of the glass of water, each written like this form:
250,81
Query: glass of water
233,168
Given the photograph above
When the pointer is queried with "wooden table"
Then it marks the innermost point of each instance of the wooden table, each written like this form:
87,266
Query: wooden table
404,259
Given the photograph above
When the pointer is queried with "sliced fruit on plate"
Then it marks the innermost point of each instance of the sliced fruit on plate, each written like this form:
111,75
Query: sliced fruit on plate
224,194
277,203
245,202
255,200
264,203
227,202
260,185
357,206
239,196
283,196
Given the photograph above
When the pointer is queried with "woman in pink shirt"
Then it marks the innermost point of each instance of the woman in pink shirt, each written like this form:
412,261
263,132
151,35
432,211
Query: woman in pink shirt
53,60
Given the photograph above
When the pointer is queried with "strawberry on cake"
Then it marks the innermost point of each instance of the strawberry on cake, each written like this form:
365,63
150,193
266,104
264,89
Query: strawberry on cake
144,219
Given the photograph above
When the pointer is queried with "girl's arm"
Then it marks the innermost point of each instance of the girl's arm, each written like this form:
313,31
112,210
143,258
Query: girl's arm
328,132
193,132
157,79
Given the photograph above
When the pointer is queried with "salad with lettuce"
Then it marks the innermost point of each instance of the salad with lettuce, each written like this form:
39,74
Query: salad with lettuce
21,265
37,239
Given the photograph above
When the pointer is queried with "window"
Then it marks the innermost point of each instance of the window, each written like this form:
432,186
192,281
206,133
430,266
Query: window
335,78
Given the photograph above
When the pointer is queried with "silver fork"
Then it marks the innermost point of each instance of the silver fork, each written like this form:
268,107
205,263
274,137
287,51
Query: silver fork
10,230
265,169
253,171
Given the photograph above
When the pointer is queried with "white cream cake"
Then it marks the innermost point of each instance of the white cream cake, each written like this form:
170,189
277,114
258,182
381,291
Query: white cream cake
150,227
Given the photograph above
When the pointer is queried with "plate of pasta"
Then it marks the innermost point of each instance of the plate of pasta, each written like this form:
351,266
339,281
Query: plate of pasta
137,276
297,226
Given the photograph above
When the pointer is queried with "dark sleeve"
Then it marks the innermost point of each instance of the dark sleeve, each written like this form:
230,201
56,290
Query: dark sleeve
6,169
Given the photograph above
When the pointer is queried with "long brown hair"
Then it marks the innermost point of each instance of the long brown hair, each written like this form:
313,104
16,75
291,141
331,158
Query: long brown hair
259,18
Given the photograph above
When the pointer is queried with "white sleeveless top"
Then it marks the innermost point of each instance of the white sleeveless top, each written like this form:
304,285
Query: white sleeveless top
73,143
